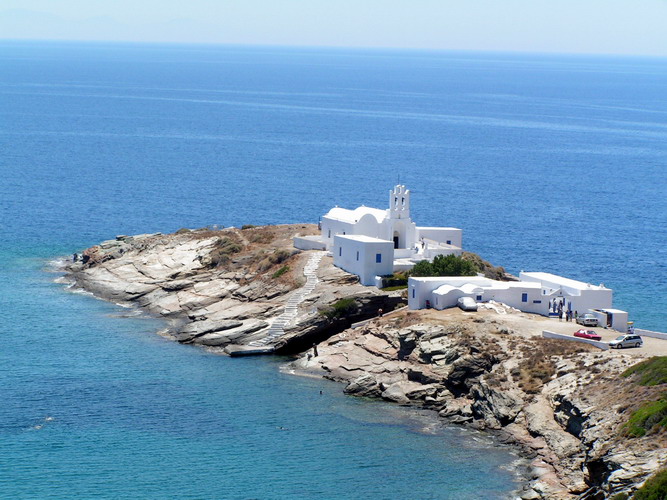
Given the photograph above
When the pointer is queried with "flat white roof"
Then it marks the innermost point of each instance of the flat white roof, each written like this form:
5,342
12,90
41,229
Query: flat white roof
362,238
561,281
432,227
521,284
444,279
466,283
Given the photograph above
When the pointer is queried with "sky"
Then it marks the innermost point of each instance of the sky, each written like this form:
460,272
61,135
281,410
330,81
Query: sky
632,27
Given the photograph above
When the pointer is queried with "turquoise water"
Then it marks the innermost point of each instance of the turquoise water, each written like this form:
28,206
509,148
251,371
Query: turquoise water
95,405
547,163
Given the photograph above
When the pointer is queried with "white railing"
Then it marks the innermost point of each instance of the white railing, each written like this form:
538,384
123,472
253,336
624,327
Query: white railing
552,335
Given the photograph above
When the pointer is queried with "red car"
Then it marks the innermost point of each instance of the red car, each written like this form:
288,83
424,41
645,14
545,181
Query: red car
587,334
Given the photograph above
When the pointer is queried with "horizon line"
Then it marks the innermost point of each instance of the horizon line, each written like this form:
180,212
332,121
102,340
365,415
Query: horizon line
335,47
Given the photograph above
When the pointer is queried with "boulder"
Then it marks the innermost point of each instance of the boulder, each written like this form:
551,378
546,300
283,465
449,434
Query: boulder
396,393
466,368
364,385
540,420
458,406
198,328
495,405
407,341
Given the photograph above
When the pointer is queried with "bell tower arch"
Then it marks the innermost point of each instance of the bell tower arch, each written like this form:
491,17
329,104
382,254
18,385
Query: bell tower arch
399,202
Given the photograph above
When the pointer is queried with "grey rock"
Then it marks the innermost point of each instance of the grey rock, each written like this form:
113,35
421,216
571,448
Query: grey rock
198,328
175,285
364,385
495,404
396,393
466,368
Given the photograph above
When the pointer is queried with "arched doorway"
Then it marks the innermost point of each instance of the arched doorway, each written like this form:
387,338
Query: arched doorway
396,239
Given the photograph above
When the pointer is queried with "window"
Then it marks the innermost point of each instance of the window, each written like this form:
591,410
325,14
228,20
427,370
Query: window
378,258
524,297
413,293
329,234
479,297
340,251
357,254
537,301
449,242
343,233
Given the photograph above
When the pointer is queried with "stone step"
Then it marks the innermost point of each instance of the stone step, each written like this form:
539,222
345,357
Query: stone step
291,306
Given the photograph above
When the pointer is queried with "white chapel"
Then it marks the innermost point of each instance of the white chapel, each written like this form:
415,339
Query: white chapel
371,242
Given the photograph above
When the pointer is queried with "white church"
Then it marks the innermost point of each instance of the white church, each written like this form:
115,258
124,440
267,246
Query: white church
371,242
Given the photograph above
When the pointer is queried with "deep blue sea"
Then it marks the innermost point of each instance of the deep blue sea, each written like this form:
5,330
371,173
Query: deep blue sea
547,163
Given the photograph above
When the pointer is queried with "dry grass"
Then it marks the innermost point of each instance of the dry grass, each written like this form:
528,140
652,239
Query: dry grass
538,365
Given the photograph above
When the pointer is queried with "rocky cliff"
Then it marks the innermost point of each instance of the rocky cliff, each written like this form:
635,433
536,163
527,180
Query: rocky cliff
224,288
564,404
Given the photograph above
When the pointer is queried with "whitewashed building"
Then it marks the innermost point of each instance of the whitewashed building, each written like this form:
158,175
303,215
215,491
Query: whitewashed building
538,293
364,256
443,292
356,237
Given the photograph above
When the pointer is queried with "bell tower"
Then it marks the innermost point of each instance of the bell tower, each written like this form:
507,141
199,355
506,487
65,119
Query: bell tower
399,203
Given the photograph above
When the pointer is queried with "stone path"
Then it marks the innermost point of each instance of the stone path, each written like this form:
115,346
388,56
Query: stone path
277,328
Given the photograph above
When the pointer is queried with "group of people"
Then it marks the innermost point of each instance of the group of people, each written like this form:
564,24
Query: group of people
569,315
557,306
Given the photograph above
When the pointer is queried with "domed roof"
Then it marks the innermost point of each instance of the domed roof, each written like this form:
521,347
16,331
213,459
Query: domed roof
355,215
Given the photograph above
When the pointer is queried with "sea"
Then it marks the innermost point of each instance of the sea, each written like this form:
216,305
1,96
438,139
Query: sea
550,163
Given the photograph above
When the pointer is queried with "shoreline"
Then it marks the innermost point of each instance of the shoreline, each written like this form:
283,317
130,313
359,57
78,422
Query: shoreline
520,468
473,370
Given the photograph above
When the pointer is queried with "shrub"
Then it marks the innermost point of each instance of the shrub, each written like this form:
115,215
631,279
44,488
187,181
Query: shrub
277,257
655,488
183,230
447,265
485,267
262,235
247,226
538,366
648,418
652,371
340,309
223,249
396,281
280,272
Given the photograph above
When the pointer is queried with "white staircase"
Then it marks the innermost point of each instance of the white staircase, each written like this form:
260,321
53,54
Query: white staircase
277,328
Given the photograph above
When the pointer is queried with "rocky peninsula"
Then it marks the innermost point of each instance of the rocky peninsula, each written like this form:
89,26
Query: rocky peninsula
565,405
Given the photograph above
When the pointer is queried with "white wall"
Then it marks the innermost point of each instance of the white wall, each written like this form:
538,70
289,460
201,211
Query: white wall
619,319
309,243
422,289
552,335
359,257
441,234
431,253
513,297
445,300
367,225
581,299
332,227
